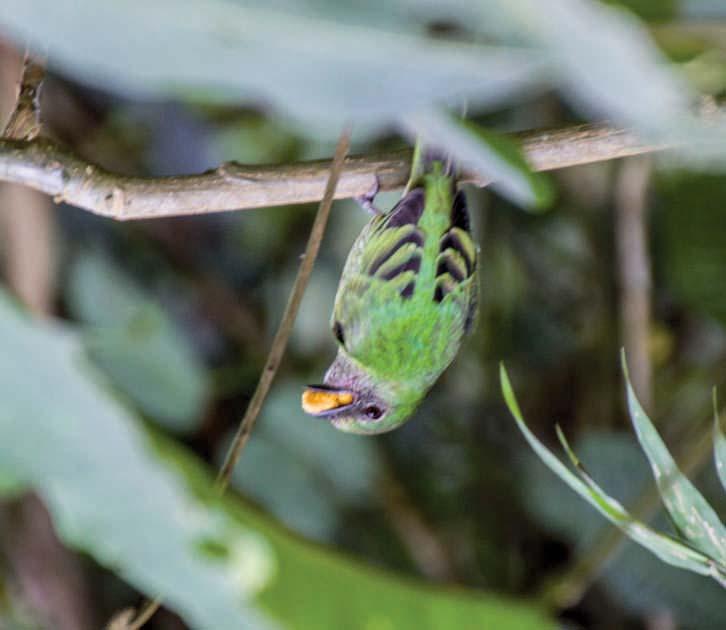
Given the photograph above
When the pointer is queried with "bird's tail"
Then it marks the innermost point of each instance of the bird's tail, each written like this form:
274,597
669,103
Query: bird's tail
423,157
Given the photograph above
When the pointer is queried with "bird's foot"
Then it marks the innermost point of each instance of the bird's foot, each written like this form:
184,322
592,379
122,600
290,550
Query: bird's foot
366,200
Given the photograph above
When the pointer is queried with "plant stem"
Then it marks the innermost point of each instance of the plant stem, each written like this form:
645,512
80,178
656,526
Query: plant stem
279,343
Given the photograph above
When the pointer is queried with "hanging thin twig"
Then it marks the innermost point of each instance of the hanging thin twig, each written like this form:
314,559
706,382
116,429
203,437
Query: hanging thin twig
279,343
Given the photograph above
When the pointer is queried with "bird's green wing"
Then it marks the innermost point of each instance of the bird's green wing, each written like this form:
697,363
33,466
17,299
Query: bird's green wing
408,291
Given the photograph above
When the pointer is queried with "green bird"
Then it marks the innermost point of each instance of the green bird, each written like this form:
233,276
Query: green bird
406,300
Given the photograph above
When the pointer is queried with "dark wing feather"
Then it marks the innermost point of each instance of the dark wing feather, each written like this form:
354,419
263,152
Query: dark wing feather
457,263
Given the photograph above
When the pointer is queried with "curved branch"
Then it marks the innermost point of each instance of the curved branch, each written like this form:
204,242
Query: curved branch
47,167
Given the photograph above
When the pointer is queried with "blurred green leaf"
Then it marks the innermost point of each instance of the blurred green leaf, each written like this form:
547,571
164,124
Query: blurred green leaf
492,155
99,294
694,518
319,66
667,549
650,9
10,486
314,588
87,457
136,344
323,65
605,62
604,58
719,444
150,512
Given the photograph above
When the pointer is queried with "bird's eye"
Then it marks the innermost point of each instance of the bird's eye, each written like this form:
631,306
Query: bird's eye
338,332
373,412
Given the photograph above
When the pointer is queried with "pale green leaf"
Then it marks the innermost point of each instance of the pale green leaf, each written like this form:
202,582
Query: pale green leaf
131,338
313,588
604,61
89,460
150,512
326,64
321,67
632,576
494,156
719,443
666,548
692,515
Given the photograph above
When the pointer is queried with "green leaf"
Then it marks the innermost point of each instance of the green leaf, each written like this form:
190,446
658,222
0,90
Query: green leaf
136,344
147,510
719,443
632,576
62,434
667,549
604,61
492,155
692,515
312,65
314,588
651,9
324,64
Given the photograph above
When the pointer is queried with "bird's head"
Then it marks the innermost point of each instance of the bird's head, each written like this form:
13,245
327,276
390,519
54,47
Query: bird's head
354,401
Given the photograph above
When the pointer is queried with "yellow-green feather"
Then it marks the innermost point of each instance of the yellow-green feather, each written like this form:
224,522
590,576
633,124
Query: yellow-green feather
407,342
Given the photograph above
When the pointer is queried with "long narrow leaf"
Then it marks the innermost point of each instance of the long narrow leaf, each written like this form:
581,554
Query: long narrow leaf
719,444
667,549
693,516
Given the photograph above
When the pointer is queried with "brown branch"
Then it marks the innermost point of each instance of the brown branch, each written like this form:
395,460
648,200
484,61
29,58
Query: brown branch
279,343
47,167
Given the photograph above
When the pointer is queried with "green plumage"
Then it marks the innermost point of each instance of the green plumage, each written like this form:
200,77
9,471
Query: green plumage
407,297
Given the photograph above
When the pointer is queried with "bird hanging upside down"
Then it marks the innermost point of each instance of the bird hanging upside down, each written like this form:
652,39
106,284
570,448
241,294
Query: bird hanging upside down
406,300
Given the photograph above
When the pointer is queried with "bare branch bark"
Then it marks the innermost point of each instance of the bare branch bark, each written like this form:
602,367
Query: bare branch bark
47,167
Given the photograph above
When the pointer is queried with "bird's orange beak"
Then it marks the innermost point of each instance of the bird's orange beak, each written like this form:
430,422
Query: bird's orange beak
321,400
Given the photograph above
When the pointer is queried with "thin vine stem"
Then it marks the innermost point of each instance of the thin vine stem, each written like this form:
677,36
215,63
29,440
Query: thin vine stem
279,343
